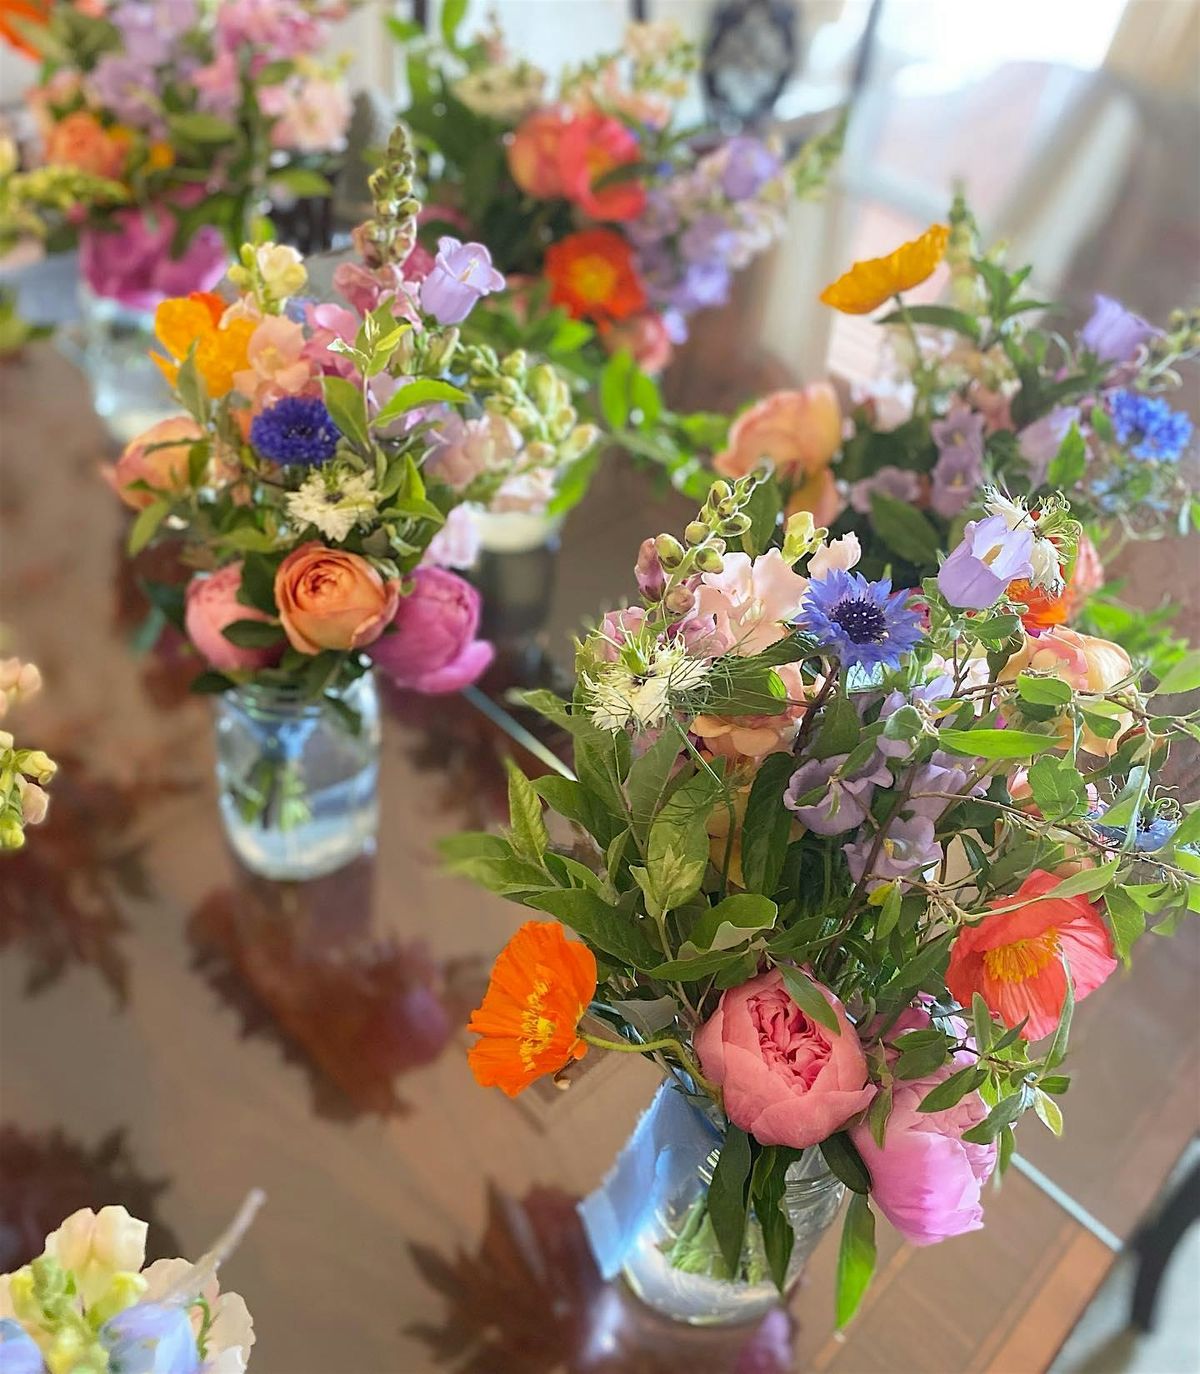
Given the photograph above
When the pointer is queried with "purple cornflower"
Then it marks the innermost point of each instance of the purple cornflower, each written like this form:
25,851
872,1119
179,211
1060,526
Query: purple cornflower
990,556
749,165
1114,334
864,623
908,850
892,481
845,801
1148,427
295,432
462,273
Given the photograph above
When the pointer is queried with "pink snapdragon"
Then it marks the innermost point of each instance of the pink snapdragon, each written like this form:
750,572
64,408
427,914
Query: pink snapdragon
753,603
278,362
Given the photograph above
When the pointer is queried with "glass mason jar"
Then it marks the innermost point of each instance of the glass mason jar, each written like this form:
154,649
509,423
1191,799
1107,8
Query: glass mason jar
678,1231
298,780
129,393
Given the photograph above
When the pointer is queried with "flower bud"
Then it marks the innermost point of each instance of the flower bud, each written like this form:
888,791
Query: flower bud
728,507
736,524
510,387
36,765
526,419
514,363
670,551
440,347
547,388
540,454
34,802
680,600
577,443
719,491
709,560
696,532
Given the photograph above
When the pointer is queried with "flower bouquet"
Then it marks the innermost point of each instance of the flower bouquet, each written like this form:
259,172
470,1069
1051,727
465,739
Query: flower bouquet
24,773
983,398
842,860
87,1303
313,484
205,113
620,223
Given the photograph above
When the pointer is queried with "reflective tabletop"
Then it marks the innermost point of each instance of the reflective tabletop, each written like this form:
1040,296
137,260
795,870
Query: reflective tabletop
173,1031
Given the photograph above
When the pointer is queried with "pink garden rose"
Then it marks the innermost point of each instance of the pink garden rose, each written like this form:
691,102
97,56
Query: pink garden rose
133,264
787,1080
211,604
926,1179
431,646
799,431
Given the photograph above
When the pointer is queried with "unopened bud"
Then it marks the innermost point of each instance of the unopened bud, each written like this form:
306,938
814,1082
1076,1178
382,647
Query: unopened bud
547,388
37,765
11,834
526,419
514,363
510,387
680,600
696,532
670,551
736,524
440,348
577,443
719,491
727,508
709,560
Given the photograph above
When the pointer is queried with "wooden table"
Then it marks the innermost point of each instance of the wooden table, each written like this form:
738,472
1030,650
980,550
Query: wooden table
173,1032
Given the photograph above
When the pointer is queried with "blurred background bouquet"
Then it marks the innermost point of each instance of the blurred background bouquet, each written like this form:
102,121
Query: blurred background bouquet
24,773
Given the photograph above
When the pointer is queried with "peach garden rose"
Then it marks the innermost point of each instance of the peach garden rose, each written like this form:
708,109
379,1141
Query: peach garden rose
799,431
159,457
330,599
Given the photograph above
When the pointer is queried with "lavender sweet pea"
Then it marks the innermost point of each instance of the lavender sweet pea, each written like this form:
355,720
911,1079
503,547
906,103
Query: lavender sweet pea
151,1338
462,274
990,556
1113,333
18,1352
749,165
845,801
909,850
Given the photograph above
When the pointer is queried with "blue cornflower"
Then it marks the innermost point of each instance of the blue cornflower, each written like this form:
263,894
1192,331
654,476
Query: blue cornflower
1153,830
864,623
296,431
1148,427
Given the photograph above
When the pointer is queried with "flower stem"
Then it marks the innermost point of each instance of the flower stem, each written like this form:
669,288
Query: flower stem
665,1042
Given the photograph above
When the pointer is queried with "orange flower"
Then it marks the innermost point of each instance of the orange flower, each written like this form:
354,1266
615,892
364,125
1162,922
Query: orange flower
1043,609
81,141
592,275
541,985
1017,960
874,280
183,321
25,12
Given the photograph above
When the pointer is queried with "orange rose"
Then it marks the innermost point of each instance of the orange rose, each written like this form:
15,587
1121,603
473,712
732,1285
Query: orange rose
799,431
159,457
329,599
533,154
1088,664
80,141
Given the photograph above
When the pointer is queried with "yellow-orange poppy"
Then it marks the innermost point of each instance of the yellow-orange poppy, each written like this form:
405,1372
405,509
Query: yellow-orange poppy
541,985
220,352
874,280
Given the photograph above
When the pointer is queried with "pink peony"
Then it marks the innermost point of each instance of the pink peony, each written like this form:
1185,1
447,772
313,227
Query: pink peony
431,645
133,264
159,457
753,604
799,431
212,604
787,1080
533,154
926,1179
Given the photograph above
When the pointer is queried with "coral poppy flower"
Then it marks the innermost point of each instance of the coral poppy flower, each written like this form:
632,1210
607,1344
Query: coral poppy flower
1017,960
592,275
541,985
874,280
1043,609
25,12
589,147
183,321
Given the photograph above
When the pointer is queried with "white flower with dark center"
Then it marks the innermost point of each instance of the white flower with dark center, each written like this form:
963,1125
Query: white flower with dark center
620,695
334,502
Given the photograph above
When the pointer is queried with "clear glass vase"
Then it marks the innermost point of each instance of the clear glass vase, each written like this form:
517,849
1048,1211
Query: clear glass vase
129,393
677,1233
298,781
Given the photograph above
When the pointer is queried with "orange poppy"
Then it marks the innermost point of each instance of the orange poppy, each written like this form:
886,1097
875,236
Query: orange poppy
874,280
25,12
592,275
196,318
541,985
1043,609
1018,960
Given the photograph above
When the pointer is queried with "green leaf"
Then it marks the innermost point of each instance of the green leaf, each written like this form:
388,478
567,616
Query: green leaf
453,13
767,824
808,997
253,634
1058,1046
904,529
1003,1114
695,969
610,929
1044,691
303,181
614,390
953,1089
921,1060
210,683
840,729
944,316
422,392
768,1184
1070,462
845,1161
998,744
856,1258
1049,1112
258,584
146,525
1057,788
727,1196
1183,677
647,780
530,838
678,846
732,921
345,404
197,127
879,1113
193,394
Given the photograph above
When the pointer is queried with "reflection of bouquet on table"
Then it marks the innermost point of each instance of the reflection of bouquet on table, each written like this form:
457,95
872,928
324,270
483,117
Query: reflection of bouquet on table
846,859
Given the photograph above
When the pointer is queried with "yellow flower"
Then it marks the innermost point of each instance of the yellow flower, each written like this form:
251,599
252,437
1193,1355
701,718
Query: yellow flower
160,155
220,350
874,280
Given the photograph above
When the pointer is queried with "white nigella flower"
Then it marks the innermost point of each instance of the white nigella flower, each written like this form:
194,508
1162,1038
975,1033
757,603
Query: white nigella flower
1014,510
621,696
1047,564
333,501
